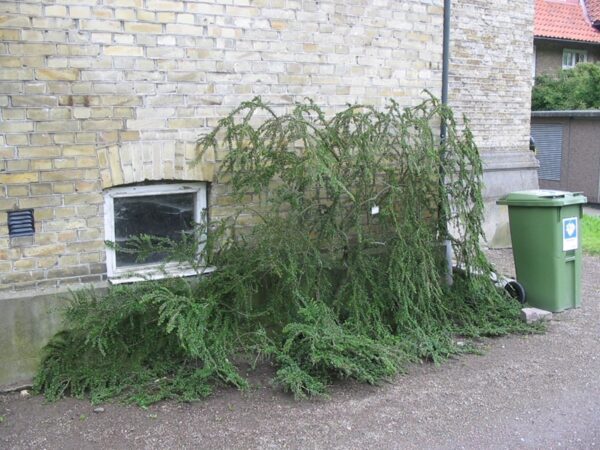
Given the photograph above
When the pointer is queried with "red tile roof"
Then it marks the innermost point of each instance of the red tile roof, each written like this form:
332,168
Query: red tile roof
566,19
593,10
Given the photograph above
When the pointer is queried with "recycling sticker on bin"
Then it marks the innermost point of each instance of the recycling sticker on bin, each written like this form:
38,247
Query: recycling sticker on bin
569,231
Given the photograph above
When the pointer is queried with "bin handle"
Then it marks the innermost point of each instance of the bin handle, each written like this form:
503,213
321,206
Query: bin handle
577,193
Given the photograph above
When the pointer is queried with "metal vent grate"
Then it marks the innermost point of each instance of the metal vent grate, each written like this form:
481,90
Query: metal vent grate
20,223
548,142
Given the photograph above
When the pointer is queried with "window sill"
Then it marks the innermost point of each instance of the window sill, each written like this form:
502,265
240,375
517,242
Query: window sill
153,272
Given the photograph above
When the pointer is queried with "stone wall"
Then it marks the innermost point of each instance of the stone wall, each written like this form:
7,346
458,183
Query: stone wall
491,63
490,82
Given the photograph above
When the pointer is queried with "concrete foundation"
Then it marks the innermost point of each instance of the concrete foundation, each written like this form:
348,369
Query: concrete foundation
504,172
27,322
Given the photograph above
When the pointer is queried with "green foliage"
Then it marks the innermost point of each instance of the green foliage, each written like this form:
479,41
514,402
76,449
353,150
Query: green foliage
590,234
575,88
122,345
321,285
317,350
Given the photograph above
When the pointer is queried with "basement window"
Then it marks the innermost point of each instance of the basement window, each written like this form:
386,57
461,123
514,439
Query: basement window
573,57
163,210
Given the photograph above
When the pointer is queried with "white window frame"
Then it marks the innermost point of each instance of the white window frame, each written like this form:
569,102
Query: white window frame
574,53
154,271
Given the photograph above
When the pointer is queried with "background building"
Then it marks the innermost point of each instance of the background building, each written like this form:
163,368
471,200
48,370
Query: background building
566,32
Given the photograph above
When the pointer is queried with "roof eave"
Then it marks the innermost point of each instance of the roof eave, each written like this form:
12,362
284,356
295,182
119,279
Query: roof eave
565,40
583,113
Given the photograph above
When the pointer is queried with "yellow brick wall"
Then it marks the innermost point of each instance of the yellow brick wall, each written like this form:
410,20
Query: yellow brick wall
98,93
491,63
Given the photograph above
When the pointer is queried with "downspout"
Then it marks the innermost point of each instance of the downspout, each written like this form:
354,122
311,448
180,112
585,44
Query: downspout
445,61
443,131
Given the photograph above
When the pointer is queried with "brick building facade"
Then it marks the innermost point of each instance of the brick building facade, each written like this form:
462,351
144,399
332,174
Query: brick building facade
96,94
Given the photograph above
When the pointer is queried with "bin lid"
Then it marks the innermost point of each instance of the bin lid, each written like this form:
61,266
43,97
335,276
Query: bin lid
542,197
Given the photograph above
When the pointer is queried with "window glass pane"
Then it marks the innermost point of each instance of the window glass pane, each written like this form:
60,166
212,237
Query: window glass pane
573,57
167,215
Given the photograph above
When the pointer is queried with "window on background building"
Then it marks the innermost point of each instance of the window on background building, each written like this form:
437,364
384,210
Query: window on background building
573,57
163,210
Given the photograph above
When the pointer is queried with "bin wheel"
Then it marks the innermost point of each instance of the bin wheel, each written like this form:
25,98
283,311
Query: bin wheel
516,291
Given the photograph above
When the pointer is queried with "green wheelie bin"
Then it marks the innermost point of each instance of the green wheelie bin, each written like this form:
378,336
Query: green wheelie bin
546,241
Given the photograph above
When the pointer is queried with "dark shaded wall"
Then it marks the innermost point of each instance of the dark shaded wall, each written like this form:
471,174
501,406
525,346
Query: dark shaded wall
580,164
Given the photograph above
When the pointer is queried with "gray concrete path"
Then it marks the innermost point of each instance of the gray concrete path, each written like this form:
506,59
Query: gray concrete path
531,392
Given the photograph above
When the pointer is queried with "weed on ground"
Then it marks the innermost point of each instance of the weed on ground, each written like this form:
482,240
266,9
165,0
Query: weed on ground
590,234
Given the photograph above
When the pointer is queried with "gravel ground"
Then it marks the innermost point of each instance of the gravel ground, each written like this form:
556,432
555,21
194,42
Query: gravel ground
540,391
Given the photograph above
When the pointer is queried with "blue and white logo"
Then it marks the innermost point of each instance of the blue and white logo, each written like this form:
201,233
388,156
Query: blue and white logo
569,232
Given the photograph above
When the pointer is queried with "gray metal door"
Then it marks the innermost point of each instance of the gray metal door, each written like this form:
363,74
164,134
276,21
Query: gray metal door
548,142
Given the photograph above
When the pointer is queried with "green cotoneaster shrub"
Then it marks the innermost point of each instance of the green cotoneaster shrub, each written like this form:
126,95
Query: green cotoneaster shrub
342,275
576,88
